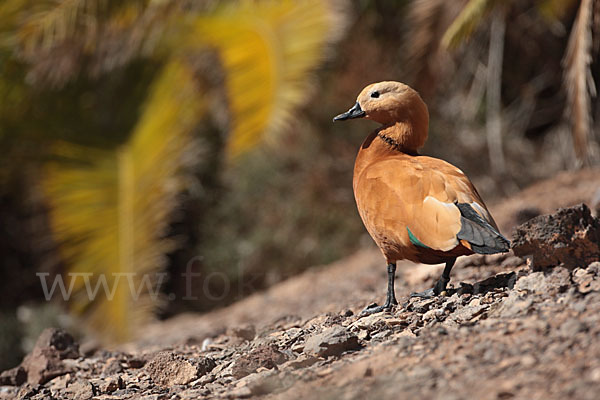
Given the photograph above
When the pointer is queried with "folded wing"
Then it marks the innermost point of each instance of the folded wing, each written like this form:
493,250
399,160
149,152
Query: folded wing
426,203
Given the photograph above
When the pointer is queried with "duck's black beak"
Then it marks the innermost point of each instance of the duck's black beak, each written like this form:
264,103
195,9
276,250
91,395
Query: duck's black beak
354,112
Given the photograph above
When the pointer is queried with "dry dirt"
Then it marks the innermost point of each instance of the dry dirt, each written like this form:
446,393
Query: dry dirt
506,331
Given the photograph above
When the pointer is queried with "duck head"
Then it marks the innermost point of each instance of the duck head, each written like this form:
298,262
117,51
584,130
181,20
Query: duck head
396,106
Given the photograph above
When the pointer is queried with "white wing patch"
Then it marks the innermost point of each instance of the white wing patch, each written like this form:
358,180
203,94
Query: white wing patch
435,202
444,222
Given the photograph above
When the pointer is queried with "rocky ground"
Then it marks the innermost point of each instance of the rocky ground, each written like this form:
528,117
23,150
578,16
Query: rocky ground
508,328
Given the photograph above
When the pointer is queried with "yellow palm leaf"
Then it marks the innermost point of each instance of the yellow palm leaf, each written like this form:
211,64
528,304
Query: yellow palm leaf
110,210
268,50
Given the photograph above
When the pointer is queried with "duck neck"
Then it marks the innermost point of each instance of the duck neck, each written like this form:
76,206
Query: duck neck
379,145
400,137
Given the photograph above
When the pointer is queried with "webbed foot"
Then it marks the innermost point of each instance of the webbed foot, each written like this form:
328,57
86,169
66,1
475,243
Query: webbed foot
374,308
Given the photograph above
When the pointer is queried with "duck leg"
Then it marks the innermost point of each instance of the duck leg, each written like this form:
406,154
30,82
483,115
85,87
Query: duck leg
440,285
390,300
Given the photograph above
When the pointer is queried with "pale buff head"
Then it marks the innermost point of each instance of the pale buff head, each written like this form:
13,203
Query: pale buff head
393,104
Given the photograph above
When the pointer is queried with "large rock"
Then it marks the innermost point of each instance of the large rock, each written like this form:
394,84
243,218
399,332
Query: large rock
570,237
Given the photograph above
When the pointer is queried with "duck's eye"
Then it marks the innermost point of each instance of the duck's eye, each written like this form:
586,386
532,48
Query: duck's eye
375,94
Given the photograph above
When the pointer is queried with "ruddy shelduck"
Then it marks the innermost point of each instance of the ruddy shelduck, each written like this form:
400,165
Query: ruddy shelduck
415,207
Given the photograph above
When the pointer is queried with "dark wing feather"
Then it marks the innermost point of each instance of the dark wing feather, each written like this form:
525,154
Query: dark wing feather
482,236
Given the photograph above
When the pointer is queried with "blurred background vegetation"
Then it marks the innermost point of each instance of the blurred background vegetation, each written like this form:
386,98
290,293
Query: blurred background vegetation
155,136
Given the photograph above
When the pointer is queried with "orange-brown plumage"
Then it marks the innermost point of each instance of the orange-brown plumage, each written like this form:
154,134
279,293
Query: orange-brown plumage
415,207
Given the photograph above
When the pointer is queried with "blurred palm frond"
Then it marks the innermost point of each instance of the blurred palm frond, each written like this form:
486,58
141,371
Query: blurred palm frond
35,26
111,209
54,36
579,82
268,71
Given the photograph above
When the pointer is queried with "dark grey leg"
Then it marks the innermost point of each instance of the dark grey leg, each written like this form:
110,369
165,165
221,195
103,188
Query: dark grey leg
440,285
390,300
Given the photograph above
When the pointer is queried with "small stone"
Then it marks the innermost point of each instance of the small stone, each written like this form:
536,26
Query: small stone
586,280
266,356
595,203
45,360
135,363
206,344
495,282
594,268
363,334
112,384
407,333
433,314
298,348
59,340
395,321
331,342
247,332
203,364
43,364
13,377
465,288
81,390
302,361
168,369
369,322
60,382
468,313
112,366
381,334
421,306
